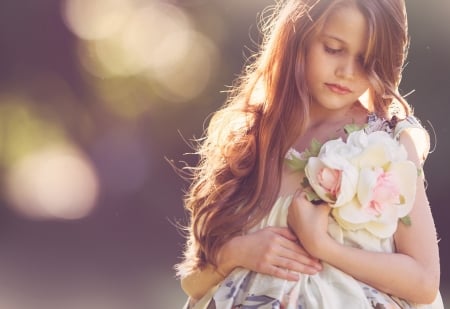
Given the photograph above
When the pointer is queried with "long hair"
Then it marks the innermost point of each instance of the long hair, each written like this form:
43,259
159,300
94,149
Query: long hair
241,155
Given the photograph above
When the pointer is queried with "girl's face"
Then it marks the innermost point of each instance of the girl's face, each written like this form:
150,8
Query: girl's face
334,62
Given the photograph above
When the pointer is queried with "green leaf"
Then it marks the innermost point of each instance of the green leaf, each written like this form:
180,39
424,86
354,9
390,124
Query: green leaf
406,220
305,182
315,147
296,164
419,172
313,197
353,127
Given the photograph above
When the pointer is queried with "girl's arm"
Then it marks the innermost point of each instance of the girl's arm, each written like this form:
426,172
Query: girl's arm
272,250
412,273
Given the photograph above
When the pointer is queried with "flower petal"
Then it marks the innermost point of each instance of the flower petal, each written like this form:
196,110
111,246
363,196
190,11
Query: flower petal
349,182
352,212
382,230
374,155
346,225
312,169
406,174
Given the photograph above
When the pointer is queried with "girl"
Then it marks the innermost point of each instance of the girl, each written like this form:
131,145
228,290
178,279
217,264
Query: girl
317,60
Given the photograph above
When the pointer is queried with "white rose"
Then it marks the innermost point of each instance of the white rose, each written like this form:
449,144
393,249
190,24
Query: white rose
376,149
386,186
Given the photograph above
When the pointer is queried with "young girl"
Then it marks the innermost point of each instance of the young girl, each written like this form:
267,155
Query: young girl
317,60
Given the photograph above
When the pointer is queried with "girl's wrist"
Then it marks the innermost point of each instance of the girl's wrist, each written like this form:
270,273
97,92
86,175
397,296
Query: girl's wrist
322,246
226,260
328,249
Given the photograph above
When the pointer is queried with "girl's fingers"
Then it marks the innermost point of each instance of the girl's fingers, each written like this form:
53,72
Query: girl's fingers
295,260
288,270
283,273
285,232
282,255
290,249
296,248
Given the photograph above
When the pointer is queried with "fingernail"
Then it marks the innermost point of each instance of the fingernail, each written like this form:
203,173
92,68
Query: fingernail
313,271
295,277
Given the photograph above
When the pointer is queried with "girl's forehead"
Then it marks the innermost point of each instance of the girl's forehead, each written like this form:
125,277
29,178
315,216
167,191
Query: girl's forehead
347,25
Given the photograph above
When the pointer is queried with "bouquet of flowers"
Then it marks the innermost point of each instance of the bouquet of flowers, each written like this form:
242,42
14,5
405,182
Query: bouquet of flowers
367,180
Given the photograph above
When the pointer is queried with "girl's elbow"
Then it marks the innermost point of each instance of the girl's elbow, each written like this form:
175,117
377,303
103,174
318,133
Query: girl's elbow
432,293
428,297
429,290
189,290
184,286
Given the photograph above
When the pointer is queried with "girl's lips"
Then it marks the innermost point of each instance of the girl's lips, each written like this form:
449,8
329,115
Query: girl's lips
338,88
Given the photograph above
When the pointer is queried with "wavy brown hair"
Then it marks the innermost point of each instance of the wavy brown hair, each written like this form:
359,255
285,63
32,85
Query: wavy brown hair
241,155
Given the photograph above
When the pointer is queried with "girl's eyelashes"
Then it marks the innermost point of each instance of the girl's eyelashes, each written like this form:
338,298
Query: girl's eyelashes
333,51
330,50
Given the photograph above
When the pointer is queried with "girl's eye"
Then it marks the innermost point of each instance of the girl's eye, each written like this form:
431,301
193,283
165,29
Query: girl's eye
331,51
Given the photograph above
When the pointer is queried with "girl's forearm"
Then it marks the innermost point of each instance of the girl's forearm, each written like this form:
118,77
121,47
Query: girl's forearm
198,283
393,273
268,251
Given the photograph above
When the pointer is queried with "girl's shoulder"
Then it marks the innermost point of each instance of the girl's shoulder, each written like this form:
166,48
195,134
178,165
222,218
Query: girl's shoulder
410,125
394,126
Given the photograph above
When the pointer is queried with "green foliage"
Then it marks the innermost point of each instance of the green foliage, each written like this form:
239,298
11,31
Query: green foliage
305,182
313,197
353,127
406,220
296,164
314,149
419,172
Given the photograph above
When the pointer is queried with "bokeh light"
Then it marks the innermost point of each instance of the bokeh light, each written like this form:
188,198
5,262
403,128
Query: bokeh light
94,20
188,77
56,182
22,129
157,42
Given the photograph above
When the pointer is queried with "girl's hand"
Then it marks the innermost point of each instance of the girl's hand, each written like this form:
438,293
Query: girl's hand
309,222
273,251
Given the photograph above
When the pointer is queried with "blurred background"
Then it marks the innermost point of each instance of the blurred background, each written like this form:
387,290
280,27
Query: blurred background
95,96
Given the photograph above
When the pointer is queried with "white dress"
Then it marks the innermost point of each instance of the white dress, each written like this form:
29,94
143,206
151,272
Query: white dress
330,288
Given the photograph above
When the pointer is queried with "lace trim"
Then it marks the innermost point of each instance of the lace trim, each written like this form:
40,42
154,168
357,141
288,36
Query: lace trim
376,123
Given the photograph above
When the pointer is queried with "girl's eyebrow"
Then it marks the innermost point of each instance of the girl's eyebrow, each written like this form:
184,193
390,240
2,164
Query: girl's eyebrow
330,36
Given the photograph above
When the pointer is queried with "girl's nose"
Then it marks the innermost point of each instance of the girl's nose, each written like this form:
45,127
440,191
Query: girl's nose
346,69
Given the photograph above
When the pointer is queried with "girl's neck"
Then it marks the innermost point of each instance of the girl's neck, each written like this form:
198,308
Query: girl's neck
325,124
355,113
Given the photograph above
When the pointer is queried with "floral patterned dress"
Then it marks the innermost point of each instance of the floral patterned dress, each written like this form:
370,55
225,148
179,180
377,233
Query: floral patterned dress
330,288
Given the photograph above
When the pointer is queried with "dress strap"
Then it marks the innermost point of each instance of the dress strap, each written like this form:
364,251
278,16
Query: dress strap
407,123
422,138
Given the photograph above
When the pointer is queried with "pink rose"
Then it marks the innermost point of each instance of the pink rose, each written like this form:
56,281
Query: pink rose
330,180
331,175
384,193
